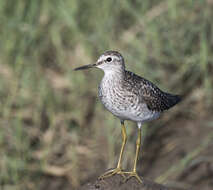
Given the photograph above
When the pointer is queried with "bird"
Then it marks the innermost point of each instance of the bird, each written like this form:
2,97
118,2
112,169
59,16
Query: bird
129,97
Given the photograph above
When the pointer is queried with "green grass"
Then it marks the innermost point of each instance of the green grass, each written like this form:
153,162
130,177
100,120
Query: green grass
44,104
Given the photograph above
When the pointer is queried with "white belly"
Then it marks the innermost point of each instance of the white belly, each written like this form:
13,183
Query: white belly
125,105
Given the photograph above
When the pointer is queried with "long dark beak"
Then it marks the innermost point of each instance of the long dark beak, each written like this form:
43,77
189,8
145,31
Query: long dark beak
85,67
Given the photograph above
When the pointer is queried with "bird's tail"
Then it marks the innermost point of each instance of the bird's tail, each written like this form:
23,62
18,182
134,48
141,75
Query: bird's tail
172,100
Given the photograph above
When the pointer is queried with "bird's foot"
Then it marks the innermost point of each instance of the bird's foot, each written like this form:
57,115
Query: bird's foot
133,174
112,172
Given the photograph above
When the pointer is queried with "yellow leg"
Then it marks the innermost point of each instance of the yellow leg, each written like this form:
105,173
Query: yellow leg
124,138
133,173
138,145
118,169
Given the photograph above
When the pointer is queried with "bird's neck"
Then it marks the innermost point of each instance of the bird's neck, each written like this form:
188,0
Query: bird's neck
117,74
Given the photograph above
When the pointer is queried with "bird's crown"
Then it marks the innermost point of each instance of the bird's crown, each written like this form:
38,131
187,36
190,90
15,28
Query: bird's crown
110,59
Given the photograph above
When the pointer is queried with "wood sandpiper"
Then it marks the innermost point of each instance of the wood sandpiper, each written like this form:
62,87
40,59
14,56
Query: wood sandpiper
129,97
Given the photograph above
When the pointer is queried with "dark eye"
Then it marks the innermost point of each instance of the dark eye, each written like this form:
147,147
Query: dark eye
109,59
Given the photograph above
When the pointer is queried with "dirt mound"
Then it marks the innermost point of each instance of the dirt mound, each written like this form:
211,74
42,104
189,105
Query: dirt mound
117,182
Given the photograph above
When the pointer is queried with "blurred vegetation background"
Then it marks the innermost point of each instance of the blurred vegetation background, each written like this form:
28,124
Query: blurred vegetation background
54,133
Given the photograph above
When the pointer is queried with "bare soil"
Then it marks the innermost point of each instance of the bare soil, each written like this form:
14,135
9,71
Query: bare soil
117,182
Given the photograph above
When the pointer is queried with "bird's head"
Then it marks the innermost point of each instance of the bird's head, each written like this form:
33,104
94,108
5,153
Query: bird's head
109,61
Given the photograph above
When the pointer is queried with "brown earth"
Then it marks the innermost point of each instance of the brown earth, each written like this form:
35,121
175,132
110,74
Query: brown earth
118,183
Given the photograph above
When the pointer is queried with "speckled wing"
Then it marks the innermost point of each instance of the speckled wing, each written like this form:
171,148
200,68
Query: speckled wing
156,99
